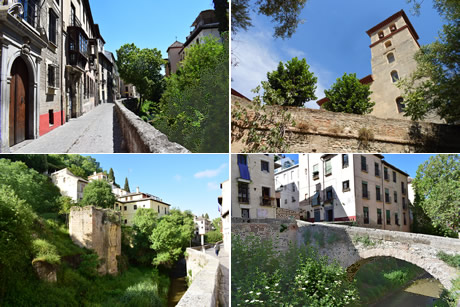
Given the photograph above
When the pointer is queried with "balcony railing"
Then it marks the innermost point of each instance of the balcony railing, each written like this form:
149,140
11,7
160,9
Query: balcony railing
266,201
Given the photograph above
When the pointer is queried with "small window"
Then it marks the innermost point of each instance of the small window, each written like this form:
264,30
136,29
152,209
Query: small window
400,104
393,27
365,191
264,166
390,57
285,201
388,44
385,174
396,219
381,35
293,187
51,117
379,216
293,199
245,213
243,192
377,169
366,215
315,172
394,176
363,164
135,207
52,29
395,196
388,217
346,186
344,160
404,217
378,195
125,208
328,167
329,194
394,76
52,75
126,222
158,209
387,196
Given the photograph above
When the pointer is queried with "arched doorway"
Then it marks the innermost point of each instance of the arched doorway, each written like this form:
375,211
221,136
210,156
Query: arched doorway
19,102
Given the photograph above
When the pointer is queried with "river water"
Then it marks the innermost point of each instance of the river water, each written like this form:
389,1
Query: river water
178,285
421,292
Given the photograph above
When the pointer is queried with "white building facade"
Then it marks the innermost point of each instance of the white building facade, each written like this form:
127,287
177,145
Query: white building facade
69,184
287,185
253,186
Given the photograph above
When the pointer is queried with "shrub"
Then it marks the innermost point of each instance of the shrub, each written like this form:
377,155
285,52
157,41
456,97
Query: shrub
45,251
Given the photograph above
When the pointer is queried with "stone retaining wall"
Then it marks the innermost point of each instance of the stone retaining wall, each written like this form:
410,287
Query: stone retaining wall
141,137
324,131
204,270
282,213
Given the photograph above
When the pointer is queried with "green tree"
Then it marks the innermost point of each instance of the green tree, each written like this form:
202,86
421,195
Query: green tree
437,189
194,106
285,14
142,68
144,223
98,193
126,187
37,162
36,189
221,9
111,176
217,223
348,95
292,83
171,236
433,87
213,236
16,220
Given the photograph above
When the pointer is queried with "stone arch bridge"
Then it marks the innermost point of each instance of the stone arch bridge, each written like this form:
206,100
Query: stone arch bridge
354,246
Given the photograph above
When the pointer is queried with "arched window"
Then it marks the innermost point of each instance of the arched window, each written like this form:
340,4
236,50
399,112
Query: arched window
400,104
390,57
394,76
393,27
381,35
388,44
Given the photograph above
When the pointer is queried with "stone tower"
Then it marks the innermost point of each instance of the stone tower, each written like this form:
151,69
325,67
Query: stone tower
393,46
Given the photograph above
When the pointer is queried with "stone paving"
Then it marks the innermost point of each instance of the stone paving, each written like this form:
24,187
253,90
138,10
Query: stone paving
95,132
224,283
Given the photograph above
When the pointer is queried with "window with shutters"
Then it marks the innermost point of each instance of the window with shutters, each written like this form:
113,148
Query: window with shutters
328,167
52,27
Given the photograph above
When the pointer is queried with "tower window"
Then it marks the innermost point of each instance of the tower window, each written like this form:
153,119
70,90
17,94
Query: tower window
400,104
394,76
388,44
393,27
381,35
390,57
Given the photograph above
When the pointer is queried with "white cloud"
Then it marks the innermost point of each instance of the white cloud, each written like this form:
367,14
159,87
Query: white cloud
257,53
213,186
210,173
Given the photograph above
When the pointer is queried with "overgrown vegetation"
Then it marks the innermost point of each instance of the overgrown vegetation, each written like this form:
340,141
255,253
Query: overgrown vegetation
261,276
382,276
452,260
32,228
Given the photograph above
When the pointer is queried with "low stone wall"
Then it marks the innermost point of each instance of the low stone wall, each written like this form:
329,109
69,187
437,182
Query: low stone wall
324,131
141,137
204,271
284,214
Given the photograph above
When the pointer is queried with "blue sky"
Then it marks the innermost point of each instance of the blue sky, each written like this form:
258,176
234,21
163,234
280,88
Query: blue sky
333,39
408,163
146,23
186,181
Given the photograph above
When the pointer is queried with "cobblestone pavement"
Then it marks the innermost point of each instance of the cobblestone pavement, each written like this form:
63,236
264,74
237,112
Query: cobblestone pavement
95,132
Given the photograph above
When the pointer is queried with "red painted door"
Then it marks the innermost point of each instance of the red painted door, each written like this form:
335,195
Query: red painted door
18,102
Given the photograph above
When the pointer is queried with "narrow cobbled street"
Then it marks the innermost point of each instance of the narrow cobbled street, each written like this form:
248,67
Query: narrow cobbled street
96,131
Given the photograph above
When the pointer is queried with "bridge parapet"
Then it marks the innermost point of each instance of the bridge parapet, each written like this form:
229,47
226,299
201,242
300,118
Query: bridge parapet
353,246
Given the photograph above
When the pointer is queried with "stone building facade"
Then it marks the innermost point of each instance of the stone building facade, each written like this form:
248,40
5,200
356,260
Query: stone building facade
128,205
287,184
224,202
69,184
253,186
99,230
49,66
364,189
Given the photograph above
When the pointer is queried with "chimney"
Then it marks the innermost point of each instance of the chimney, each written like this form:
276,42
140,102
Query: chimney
137,190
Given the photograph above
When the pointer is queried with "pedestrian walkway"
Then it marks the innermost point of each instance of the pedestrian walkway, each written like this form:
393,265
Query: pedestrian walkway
224,282
95,132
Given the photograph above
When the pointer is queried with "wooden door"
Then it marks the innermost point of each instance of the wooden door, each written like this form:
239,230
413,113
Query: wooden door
18,102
